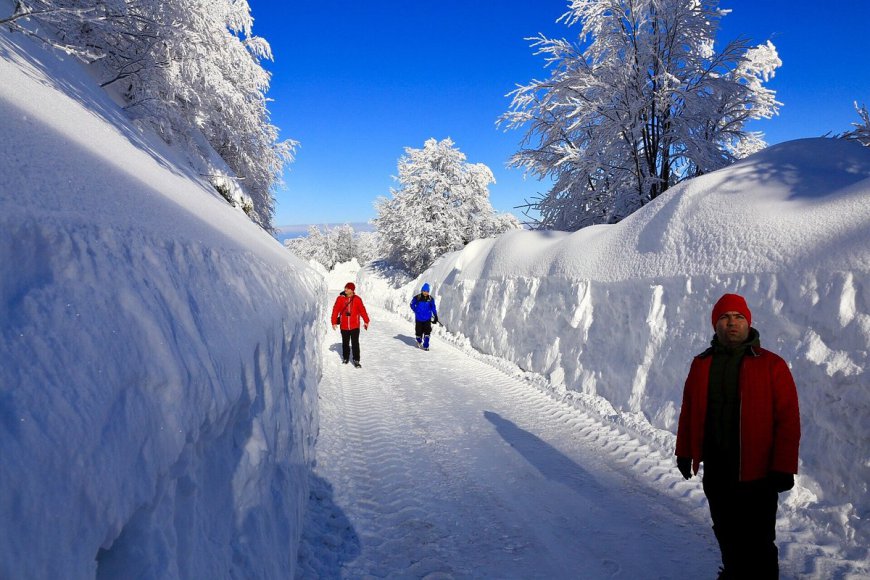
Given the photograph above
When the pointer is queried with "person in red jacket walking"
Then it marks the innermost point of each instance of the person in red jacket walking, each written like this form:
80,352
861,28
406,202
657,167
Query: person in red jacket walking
346,312
740,418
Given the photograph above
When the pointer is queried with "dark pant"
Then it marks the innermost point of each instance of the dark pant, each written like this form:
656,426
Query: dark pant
349,337
423,330
744,522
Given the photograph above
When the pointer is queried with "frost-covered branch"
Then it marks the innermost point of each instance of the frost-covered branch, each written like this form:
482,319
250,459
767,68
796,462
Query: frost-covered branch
861,133
640,102
190,70
24,10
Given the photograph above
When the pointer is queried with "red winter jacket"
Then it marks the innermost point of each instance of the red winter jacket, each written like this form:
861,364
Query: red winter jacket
770,429
350,310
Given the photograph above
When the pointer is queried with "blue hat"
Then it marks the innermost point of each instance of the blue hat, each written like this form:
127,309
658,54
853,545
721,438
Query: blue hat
425,287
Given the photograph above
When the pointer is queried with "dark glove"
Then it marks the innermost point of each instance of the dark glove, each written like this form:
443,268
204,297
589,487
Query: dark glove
435,320
781,481
684,464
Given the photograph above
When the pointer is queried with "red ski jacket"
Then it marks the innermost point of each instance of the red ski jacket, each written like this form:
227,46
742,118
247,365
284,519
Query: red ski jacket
770,428
347,311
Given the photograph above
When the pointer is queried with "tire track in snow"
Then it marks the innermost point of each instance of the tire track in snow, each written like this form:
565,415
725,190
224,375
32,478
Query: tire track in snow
449,467
370,450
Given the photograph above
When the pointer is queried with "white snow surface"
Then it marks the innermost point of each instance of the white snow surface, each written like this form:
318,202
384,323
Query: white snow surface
161,362
159,351
450,464
608,318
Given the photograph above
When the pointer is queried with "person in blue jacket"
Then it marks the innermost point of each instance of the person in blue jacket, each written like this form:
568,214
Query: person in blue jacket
423,305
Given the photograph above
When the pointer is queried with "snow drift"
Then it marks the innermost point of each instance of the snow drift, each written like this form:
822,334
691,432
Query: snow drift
612,315
159,351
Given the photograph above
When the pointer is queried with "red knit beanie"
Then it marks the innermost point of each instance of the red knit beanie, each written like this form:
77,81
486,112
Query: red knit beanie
731,303
350,285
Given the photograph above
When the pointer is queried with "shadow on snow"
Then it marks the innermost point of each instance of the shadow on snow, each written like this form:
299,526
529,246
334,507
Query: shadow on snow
329,539
548,460
409,340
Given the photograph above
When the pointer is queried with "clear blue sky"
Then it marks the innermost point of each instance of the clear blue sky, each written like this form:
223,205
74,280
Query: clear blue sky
358,82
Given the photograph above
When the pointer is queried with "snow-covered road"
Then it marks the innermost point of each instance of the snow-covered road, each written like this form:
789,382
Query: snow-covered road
439,465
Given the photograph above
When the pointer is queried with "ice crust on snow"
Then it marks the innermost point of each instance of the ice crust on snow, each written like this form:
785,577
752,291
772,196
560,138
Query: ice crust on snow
160,352
616,312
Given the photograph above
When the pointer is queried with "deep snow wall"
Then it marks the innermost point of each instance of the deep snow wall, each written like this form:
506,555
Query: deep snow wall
632,343
159,353
618,312
158,411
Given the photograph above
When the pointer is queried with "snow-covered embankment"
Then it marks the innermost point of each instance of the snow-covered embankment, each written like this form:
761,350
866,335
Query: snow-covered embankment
159,355
616,312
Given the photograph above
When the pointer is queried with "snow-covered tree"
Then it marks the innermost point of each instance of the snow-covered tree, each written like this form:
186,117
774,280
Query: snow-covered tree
442,203
189,69
861,132
311,247
640,102
366,247
334,246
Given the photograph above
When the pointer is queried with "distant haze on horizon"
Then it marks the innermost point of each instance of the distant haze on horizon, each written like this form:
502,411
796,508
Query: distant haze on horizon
287,232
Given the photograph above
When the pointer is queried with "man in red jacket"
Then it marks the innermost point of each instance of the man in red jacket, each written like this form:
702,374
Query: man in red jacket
740,417
346,313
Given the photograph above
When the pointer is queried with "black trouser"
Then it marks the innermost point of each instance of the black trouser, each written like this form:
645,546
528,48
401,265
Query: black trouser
348,337
744,522
423,330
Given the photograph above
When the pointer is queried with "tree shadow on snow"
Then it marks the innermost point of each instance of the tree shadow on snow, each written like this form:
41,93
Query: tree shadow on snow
329,539
392,274
549,461
409,340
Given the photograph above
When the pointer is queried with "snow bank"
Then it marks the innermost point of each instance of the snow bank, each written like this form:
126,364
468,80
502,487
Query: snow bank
618,311
159,352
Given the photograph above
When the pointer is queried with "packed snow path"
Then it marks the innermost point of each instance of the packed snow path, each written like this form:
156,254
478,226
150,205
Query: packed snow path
438,465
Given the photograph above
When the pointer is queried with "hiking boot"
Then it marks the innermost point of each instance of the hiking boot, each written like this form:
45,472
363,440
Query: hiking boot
356,364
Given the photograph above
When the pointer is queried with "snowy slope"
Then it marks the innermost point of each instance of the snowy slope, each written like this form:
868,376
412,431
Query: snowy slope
159,351
610,316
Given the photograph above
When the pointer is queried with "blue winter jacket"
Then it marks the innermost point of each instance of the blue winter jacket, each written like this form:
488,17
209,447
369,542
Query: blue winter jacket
424,308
